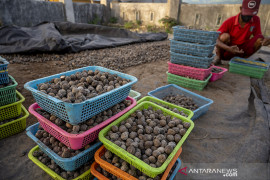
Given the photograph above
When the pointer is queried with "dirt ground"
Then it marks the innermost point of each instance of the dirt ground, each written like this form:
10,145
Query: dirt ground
14,163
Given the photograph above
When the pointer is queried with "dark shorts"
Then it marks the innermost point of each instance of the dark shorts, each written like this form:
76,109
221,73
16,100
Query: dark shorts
247,47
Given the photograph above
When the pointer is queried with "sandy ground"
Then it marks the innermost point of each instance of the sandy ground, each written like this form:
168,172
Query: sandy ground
14,163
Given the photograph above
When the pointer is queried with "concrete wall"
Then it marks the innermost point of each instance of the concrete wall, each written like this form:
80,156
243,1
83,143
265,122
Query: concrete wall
159,10
208,15
85,12
28,12
31,12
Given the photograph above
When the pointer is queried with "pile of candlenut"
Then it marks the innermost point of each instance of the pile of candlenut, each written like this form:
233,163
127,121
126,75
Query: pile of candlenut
8,84
92,122
124,166
149,135
106,174
172,109
181,100
58,147
43,158
83,85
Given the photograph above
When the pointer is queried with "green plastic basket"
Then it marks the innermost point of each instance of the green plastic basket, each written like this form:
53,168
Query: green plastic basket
14,127
134,94
131,159
189,113
187,82
12,110
85,176
247,70
8,94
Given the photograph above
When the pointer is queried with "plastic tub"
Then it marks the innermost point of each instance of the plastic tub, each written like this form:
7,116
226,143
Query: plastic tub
15,126
12,110
188,112
217,76
8,94
75,141
202,102
76,113
134,94
192,48
4,71
249,68
187,82
68,164
123,175
85,176
131,159
181,33
193,61
187,71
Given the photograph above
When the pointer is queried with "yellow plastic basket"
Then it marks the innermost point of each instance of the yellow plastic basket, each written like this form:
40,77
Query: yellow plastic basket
85,176
15,126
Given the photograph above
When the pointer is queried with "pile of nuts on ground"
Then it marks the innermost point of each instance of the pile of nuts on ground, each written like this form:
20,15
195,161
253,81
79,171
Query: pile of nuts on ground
58,147
92,122
124,166
83,85
181,100
131,55
42,157
149,135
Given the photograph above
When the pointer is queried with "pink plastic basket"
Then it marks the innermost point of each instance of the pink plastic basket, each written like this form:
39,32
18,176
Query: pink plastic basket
76,141
187,71
217,76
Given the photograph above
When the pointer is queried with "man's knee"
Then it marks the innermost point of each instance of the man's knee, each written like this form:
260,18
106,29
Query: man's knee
225,38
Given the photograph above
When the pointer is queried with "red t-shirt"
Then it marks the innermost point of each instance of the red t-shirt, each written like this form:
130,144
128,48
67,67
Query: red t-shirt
238,34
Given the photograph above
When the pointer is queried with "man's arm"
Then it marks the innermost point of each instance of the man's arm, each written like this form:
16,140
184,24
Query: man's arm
258,31
232,49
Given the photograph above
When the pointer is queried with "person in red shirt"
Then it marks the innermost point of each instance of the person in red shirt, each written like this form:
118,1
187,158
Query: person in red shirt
241,35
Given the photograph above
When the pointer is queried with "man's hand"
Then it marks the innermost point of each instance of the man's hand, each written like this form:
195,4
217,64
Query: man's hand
235,50
266,41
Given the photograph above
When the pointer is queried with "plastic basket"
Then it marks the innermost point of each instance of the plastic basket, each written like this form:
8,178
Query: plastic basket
202,102
187,71
97,174
175,171
4,71
8,94
131,159
134,94
76,113
217,76
187,82
192,48
85,176
181,33
194,61
15,126
122,174
188,112
12,110
75,141
248,69
68,164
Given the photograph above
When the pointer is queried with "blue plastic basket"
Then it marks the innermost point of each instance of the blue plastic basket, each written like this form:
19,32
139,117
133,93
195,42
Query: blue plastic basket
175,171
68,164
181,33
192,48
202,102
4,71
193,61
76,113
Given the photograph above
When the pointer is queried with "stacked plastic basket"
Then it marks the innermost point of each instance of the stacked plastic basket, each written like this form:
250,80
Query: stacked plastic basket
73,114
12,113
191,57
